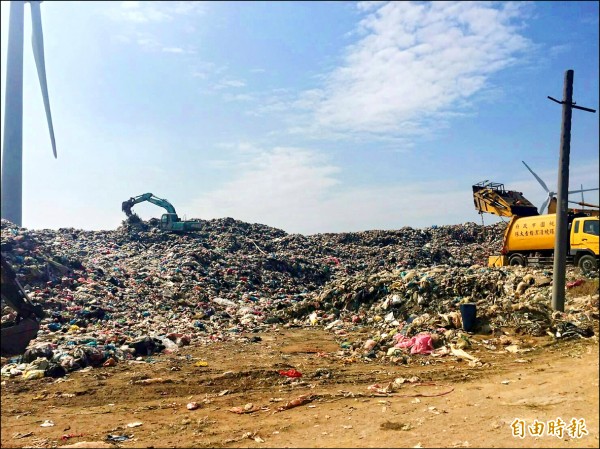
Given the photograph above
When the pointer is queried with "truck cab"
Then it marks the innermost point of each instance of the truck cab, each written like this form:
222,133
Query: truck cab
584,242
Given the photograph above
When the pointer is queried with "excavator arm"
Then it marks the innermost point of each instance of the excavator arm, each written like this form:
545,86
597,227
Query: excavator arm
127,205
493,198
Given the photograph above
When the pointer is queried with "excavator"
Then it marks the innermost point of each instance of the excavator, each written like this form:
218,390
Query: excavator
17,332
169,221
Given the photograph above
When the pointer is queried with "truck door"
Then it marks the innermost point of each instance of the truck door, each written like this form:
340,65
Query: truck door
585,235
590,235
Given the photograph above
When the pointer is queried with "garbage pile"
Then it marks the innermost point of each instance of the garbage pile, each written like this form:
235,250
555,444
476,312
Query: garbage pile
419,309
135,291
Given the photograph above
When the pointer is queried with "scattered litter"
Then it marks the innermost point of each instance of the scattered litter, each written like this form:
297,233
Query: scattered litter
157,380
71,435
88,445
20,435
575,283
462,354
389,425
300,400
47,423
115,438
248,408
110,362
253,436
291,373
135,424
513,348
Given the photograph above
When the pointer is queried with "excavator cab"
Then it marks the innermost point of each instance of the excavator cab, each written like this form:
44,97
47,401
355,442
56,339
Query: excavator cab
167,220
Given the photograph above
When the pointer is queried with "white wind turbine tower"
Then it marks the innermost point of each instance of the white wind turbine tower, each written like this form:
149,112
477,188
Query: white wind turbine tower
12,151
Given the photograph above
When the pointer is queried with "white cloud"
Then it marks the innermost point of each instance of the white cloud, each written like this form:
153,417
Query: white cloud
238,97
557,50
173,50
148,43
219,163
272,187
139,12
159,11
227,83
177,50
138,15
415,64
205,70
130,5
369,5
188,7
299,191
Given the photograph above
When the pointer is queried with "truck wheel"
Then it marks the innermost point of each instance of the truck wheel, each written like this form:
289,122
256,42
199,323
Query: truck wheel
517,261
587,263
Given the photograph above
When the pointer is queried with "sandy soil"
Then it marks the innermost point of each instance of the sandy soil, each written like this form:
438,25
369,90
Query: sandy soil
451,405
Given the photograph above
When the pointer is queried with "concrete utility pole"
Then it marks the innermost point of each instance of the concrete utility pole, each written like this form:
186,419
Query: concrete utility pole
562,231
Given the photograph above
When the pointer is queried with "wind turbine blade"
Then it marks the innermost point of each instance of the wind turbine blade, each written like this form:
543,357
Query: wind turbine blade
37,40
537,177
582,190
543,206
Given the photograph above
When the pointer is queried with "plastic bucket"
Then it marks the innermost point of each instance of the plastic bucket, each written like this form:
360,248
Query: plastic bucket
468,312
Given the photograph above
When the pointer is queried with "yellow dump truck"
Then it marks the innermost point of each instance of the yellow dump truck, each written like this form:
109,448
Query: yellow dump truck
530,240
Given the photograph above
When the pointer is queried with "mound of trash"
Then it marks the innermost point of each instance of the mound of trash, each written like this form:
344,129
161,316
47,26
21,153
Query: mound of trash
137,290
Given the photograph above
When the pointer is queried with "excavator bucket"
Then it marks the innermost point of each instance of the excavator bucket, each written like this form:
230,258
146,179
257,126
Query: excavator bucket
16,337
17,333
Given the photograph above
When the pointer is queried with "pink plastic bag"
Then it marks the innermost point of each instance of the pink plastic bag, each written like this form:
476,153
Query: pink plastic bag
420,344
403,342
423,344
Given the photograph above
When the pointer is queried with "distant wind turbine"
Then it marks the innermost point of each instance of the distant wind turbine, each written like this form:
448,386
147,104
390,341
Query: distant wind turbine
12,154
549,192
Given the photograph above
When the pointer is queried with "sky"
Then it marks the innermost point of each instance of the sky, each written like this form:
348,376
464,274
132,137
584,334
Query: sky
310,117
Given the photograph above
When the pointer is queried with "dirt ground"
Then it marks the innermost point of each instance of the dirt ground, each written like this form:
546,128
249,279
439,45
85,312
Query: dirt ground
450,405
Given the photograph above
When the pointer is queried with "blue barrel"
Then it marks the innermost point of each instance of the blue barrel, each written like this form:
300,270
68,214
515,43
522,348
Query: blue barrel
468,312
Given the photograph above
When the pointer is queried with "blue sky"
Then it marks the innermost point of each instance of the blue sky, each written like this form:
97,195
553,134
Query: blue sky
306,116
